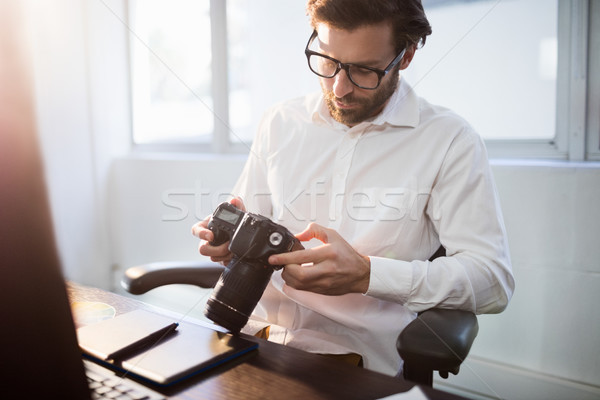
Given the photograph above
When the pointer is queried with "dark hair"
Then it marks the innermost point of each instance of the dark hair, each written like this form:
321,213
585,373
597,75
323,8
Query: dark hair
407,17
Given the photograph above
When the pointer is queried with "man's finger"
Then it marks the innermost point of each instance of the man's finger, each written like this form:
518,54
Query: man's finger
203,233
238,203
313,255
314,231
298,276
200,227
217,254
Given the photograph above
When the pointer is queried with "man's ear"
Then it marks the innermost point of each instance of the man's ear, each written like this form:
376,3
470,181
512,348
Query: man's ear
408,56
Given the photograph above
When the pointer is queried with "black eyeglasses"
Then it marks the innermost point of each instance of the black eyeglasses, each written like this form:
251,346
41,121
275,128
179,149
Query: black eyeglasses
360,75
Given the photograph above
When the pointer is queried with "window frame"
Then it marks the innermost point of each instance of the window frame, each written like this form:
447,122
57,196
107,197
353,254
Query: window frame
593,84
220,139
577,134
575,137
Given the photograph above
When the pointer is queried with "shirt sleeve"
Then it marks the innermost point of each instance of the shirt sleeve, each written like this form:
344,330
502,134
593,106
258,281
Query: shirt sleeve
476,273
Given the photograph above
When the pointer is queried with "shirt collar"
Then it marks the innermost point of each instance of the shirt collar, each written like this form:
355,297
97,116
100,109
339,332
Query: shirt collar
402,109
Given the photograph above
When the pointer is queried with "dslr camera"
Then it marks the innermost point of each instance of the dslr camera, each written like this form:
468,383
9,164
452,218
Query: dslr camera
252,239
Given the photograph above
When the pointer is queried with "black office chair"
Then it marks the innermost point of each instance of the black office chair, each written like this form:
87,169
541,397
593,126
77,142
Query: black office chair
438,340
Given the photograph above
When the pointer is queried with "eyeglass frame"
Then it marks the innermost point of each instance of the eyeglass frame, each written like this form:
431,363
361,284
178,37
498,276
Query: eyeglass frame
381,73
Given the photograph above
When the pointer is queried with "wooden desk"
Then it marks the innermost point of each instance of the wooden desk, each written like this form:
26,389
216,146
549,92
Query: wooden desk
273,371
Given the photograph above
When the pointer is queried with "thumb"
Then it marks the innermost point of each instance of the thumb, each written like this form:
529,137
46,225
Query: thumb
314,231
238,203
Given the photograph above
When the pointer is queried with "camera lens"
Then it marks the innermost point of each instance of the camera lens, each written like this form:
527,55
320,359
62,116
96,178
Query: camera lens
236,294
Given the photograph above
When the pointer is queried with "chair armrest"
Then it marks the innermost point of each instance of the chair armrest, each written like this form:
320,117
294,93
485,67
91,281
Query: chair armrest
142,278
438,340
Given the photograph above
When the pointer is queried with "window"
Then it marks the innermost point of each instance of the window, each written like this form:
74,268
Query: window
204,71
515,69
171,71
494,63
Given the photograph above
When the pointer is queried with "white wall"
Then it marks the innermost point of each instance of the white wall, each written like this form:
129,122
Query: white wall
546,344
155,202
79,54
113,211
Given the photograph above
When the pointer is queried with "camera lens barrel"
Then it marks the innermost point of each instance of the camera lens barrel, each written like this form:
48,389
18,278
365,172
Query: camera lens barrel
236,293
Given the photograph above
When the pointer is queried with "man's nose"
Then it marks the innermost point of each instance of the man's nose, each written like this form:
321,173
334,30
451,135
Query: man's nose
342,84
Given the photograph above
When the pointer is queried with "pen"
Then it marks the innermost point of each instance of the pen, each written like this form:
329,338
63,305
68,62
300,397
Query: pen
144,343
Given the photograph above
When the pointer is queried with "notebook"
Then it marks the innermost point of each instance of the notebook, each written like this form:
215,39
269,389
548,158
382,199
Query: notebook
166,359
39,352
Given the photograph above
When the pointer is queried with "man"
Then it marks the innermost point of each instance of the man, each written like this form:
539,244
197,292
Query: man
376,179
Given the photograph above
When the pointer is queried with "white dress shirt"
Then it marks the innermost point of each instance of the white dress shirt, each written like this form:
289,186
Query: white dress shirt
395,187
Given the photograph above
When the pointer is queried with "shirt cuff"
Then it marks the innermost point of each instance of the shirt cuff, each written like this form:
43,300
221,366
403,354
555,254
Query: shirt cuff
390,279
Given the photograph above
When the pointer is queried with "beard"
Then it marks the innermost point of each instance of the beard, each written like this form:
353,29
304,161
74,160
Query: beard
363,107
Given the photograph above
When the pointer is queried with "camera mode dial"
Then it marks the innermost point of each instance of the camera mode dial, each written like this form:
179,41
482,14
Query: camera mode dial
275,239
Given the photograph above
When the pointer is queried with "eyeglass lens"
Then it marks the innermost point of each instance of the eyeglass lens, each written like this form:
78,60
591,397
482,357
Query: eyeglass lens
327,68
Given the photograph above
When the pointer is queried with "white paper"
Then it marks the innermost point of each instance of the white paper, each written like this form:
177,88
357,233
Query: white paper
413,394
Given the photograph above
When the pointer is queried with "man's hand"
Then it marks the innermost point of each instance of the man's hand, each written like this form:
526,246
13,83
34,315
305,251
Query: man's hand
216,253
336,267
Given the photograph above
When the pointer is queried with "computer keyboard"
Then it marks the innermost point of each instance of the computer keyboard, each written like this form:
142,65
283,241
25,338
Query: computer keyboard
104,384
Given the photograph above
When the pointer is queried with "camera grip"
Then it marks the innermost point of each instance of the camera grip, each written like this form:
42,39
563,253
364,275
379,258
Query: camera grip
297,245
220,236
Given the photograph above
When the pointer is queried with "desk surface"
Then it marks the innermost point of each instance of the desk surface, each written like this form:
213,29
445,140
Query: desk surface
271,371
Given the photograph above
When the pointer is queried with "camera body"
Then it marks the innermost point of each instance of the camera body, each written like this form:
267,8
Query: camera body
252,240
251,236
